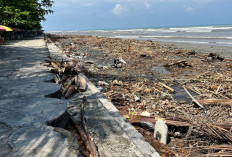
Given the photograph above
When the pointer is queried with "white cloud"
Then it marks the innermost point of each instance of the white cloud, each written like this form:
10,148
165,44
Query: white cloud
135,3
147,4
203,1
120,10
89,4
188,9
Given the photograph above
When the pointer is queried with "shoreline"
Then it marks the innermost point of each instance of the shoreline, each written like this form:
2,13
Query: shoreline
225,51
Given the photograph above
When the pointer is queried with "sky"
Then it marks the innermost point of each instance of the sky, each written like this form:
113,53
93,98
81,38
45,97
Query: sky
70,15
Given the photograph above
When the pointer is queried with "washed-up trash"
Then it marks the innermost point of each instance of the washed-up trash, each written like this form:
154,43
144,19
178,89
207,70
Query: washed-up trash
193,131
118,63
177,134
161,131
147,90
137,99
100,88
145,113
143,55
213,57
105,68
144,125
180,64
191,52
122,60
103,83
82,83
117,83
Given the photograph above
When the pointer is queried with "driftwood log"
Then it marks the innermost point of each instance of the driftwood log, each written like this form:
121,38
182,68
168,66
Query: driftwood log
181,64
65,89
139,118
216,101
70,91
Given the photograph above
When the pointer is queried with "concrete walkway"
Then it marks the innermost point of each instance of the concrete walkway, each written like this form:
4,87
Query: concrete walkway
23,108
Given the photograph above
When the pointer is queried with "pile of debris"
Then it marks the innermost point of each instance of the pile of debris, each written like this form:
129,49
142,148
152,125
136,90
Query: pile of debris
199,127
67,76
71,81
190,125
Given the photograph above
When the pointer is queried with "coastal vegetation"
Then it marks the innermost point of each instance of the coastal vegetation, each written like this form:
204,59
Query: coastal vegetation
24,14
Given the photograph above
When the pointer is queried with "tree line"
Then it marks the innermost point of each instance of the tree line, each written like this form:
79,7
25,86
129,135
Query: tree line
24,14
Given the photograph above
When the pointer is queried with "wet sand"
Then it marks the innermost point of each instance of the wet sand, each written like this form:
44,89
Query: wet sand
225,51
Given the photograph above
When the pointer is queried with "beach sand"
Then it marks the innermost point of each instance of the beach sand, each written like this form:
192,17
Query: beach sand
225,51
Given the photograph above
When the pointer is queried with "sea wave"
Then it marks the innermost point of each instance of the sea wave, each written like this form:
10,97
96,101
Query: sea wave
225,43
218,35
188,37
129,30
190,29
127,37
160,30
194,42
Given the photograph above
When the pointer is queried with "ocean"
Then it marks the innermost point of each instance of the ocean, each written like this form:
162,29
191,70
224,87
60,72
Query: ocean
218,35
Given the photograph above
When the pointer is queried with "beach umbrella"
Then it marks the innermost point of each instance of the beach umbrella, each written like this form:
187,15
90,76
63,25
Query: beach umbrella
5,28
2,28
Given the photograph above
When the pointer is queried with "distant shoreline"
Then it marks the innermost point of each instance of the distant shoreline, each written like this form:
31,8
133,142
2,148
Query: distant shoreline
225,51
210,38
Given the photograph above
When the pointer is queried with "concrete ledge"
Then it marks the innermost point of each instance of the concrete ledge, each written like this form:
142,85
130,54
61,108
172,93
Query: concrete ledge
144,147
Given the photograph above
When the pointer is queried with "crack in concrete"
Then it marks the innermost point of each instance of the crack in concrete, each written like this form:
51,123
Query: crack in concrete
5,133
6,125
1,91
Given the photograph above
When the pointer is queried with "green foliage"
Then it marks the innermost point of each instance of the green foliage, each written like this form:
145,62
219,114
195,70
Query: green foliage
24,14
